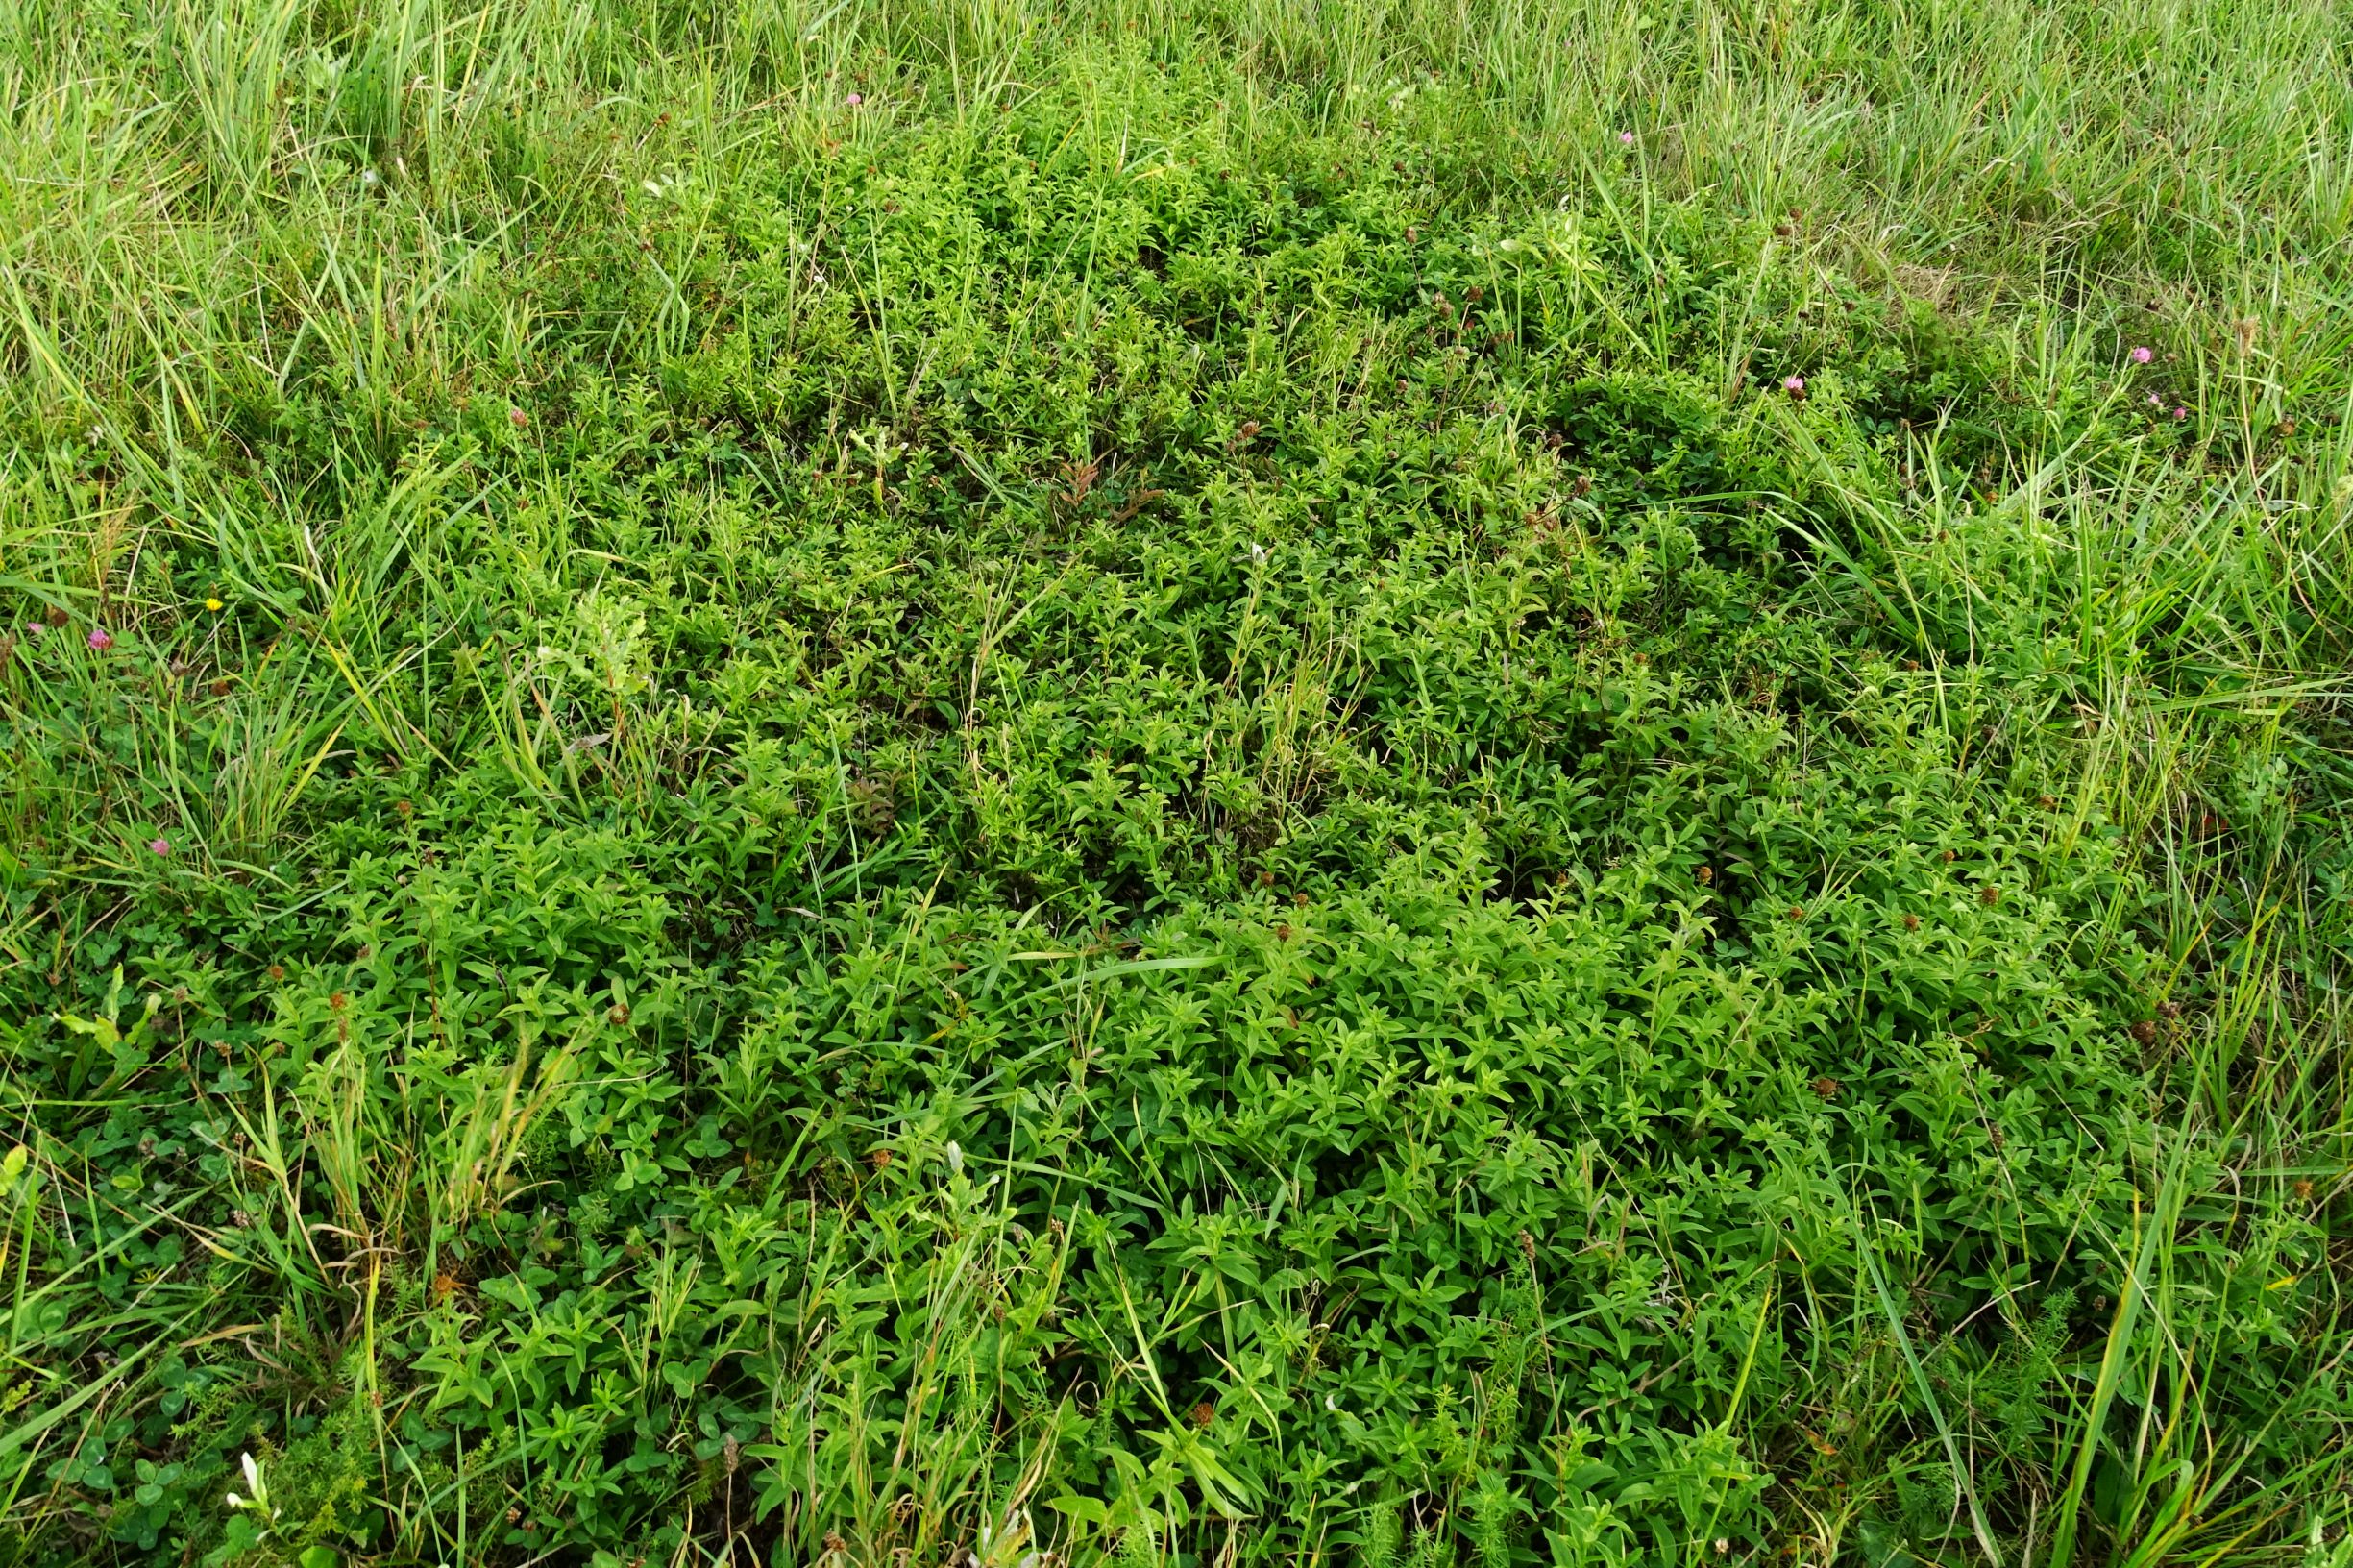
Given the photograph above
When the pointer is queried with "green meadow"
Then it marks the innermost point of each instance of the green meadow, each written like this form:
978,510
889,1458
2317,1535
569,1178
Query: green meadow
982,784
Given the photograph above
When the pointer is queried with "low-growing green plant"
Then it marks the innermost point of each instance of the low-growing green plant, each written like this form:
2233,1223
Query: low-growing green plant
1171,785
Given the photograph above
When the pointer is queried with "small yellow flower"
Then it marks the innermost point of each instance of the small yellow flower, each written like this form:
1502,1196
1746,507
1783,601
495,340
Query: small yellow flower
215,603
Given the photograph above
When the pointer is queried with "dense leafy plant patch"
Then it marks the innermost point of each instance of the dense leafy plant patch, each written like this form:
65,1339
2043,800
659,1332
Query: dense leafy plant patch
1102,814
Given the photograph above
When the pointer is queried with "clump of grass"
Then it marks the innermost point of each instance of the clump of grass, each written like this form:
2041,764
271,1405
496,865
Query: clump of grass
1239,781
